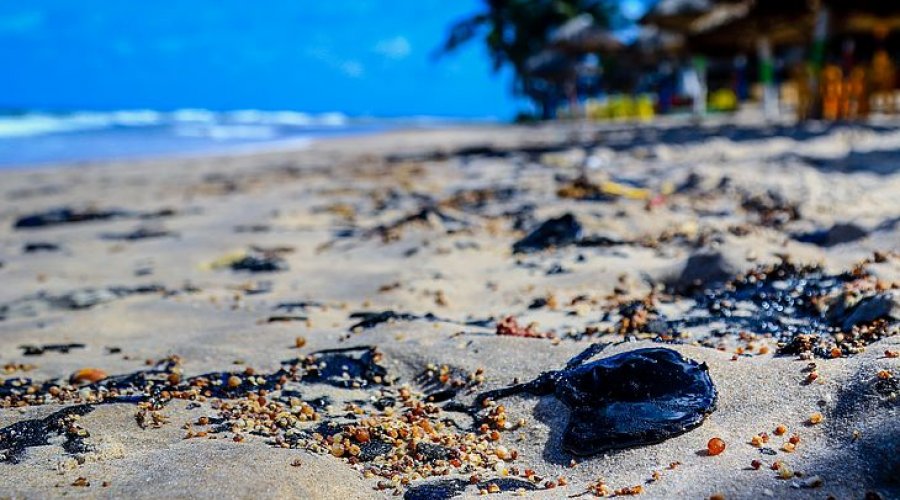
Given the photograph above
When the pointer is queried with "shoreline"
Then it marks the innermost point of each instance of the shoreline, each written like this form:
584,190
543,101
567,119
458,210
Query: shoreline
462,136
172,144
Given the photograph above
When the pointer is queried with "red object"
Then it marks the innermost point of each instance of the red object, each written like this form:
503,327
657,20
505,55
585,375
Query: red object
715,446
509,326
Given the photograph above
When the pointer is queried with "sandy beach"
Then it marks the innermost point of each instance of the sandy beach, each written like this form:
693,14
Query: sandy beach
321,323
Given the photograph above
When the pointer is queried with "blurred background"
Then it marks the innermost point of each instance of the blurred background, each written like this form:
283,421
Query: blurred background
135,78
102,79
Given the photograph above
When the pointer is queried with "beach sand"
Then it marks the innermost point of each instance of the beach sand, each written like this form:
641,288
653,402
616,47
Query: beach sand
422,222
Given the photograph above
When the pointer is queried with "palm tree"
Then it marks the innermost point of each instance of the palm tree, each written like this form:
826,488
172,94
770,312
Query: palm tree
515,30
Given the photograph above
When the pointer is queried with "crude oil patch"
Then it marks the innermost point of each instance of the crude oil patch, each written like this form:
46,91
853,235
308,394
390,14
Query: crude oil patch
15,439
449,488
804,309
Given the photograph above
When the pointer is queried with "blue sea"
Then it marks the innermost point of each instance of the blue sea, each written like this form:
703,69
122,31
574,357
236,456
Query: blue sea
36,138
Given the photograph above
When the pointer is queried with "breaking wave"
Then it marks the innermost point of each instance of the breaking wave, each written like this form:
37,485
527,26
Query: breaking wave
221,125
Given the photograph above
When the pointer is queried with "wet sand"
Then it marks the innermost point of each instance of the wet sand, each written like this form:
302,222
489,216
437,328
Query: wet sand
211,279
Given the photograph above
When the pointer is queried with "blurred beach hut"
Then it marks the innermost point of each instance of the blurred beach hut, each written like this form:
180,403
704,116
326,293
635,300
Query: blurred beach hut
734,27
581,35
729,28
870,30
675,18
865,18
748,26
676,15
724,27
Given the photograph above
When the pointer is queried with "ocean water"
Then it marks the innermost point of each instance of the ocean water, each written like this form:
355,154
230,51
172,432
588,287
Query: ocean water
39,138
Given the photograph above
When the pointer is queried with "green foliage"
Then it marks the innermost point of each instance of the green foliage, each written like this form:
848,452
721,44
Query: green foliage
514,30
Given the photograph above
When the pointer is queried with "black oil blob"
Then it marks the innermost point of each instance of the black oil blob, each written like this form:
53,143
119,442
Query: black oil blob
37,350
285,318
630,399
59,216
373,449
260,263
436,490
350,367
141,233
446,489
302,305
141,385
346,367
559,232
40,246
601,240
433,452
18,437
371,319
538,303
441,395
780,301
557,269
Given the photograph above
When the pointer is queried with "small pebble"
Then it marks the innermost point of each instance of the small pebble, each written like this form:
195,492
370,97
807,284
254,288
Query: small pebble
88,375
715,446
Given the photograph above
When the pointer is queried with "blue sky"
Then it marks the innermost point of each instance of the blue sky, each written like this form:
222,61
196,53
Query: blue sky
360,57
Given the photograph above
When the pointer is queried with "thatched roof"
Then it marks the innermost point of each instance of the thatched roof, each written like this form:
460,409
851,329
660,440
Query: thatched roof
730,27
864,16
862,23
675,15
581,34
724,27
